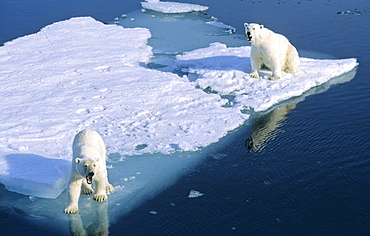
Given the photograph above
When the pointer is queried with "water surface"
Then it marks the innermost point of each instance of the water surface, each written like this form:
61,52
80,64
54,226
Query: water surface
301,169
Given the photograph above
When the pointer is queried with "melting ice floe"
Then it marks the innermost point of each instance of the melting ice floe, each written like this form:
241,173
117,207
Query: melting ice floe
81,73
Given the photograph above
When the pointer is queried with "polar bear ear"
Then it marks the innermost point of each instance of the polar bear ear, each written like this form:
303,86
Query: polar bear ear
261,26
245,24
78,160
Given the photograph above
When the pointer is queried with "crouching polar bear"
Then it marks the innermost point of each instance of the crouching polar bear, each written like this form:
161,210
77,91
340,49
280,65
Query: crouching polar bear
88,165
271,49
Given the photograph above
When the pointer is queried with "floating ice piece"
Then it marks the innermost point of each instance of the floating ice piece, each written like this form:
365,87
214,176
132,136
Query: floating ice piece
171,7
222,25
224,70
353,12
34,175
195,194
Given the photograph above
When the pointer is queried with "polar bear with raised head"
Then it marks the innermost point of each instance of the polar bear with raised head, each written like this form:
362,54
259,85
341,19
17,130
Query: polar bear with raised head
271,49
88,166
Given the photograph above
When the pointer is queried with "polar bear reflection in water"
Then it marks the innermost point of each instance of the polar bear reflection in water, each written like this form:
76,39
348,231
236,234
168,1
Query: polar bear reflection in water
271,49
92,221
265,128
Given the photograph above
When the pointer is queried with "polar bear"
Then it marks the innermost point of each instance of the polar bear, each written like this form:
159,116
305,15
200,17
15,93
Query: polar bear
271,49
88,165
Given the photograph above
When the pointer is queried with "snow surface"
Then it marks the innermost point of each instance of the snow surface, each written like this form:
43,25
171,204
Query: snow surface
81,73
172,7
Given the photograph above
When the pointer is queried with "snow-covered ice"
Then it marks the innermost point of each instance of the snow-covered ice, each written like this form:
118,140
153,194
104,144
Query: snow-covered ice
157,120
224,70
172,7
66,78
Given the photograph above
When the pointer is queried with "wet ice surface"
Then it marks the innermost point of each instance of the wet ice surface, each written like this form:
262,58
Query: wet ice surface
156,120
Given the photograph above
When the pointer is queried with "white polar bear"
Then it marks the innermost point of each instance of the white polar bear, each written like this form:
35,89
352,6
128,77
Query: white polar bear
272,49
88,165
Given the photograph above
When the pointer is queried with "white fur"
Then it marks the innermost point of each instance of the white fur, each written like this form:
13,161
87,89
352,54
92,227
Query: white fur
89,156
272,49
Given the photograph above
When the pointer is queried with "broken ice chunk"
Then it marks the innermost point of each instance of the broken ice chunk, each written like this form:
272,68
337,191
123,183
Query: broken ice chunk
195,194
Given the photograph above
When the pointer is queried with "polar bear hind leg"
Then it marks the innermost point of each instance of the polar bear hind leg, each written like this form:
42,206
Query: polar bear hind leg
292,60
276,69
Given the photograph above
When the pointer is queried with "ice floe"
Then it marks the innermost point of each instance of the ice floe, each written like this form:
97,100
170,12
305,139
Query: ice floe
172,7
68,77
224,70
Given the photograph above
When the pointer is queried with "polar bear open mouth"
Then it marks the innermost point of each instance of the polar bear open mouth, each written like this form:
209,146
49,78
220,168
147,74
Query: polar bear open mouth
89,177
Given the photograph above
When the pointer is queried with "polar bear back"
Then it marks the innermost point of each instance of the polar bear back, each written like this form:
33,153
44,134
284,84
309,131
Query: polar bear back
88,138
268,40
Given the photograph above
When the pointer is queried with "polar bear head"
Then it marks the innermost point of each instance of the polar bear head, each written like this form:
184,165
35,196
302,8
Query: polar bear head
86,167
252,30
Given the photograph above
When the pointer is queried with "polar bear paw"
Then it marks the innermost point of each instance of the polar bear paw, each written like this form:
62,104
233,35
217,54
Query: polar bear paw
110,188
274,78
71,210
291,70
254,75
100,197
86,191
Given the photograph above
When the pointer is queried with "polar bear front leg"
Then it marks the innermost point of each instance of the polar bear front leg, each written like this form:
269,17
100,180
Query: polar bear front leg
74,190
101,189
256,65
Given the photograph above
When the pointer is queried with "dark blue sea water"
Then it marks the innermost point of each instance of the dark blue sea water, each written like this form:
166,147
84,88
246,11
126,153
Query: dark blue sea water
302,169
